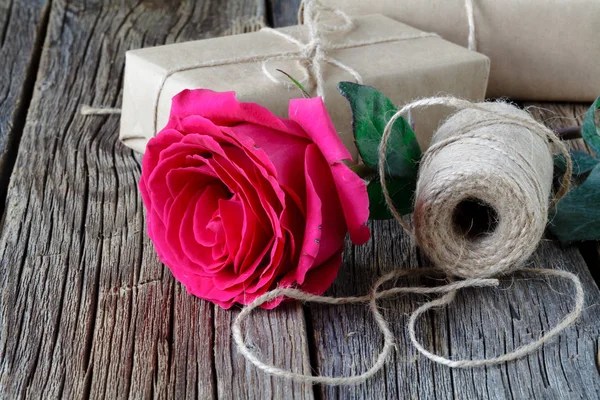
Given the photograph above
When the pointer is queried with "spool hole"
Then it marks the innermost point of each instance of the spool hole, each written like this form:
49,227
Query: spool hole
474,219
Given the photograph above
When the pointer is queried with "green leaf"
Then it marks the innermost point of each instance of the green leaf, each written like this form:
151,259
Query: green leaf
577,215
401,190
371,110
363,171
591,127
582,162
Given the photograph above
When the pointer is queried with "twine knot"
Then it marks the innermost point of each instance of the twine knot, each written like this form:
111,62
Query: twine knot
314,53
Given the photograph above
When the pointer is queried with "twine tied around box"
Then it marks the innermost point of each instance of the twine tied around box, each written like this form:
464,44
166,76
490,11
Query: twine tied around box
471,41
310,55
315,52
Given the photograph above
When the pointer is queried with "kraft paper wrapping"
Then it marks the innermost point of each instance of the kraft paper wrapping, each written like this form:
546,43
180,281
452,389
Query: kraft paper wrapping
539,49
403,70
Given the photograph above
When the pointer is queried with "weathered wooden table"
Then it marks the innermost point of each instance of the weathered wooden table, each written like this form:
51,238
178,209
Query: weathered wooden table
87,310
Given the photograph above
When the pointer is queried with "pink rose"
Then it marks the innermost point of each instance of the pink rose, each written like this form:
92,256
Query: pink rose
240,201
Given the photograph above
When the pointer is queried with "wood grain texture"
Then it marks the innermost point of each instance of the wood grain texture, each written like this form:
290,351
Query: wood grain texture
279,338
481,323
22,28
283,12
86,309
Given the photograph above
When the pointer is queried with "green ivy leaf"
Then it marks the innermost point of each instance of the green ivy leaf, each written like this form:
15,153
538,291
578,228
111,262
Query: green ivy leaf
401,190
591,127
577,215
371,110
582,162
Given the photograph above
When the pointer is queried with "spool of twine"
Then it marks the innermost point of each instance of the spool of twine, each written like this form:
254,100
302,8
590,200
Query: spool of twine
483,193
483,189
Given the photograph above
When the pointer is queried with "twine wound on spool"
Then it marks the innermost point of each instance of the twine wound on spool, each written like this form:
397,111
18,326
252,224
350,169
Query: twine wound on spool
490,158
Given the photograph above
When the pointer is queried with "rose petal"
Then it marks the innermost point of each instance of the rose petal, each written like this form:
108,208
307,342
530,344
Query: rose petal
173,216
285,153
328,229
353,196
222,108
320,278
254,243
313,118
153,149
312,232
204,210
232,216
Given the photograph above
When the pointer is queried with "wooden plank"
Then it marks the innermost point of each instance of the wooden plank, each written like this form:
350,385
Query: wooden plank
347,339
481,323
22,29
279,336
86,309
283,12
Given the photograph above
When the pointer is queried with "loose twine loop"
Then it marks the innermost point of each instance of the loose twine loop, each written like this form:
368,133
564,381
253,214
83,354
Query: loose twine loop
448,291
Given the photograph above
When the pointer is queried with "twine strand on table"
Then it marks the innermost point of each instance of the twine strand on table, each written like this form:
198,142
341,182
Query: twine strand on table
449,292
384,327
520,351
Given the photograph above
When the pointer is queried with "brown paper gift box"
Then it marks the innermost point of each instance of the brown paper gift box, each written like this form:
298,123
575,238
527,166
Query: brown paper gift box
539,49
403,70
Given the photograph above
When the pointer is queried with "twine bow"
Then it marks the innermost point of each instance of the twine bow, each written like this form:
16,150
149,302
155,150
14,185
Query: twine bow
311,55
315,52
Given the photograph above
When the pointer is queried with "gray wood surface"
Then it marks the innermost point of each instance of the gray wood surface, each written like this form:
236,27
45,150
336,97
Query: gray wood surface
481,323
22,28
87,310
283,12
